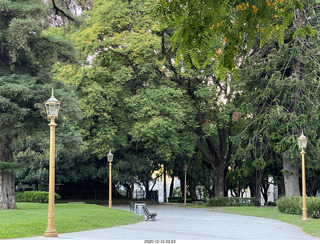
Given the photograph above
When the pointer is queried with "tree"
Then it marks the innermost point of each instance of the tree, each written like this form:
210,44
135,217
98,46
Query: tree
25,60
118,52
224,30
281,84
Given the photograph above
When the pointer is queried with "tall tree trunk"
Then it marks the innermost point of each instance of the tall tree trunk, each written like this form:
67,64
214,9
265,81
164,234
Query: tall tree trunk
192,189
164,184
255,187
171,186
291,178
219,181
7,187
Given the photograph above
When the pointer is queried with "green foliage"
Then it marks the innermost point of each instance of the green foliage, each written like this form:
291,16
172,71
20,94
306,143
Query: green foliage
293,205
163,121
230,201
290,205
217,29
26,58
34,196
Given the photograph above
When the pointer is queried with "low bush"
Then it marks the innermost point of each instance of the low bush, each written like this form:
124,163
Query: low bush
293,205
271,204
34,196
290,205
178,199
313,207
230,201
175,199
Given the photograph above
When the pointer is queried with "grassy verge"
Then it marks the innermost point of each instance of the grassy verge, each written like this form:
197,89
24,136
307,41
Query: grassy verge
311,226
30,219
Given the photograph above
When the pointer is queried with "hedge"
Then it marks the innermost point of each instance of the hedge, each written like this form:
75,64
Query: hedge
293,205
230,201
34,196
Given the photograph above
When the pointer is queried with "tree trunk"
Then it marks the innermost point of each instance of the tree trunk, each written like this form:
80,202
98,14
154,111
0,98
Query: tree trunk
291,179
182,186
164,184
192,189
171,186
255,187
7,191
7,187
219,179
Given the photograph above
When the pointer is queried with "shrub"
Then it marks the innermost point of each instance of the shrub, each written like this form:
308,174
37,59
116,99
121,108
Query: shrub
293,205
313,207
34,196
19,196
230,201
271,204
290,205
175,199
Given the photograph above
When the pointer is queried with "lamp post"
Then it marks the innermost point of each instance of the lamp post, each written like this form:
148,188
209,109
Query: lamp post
110,159
52,108
185,168
302,142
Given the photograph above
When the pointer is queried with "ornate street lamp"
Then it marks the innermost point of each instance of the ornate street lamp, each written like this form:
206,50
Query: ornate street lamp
110,159
185,168
52,108
302,142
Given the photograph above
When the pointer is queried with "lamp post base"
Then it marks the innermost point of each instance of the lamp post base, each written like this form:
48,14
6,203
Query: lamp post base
50,233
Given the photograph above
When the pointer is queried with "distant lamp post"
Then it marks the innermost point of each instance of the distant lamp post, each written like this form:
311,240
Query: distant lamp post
110,159
185,168
302,142
52,108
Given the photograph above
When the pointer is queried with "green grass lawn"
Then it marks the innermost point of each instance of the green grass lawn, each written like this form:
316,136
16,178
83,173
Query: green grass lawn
311,226
30,219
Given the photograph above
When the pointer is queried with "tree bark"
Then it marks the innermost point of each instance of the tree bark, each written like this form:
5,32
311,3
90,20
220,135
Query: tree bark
291,179
171,186
7,186
219,181
164,184
192,189
255,185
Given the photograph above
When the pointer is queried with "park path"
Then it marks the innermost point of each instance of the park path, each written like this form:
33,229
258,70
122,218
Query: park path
177,223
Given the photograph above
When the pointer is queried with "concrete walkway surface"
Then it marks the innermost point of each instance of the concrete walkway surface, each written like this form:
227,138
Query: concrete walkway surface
177,223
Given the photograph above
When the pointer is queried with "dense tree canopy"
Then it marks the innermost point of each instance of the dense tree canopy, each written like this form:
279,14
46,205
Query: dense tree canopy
26,57
225,30
211,84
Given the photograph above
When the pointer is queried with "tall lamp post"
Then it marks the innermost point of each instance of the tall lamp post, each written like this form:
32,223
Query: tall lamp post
110,159
52,108
185,167
302,142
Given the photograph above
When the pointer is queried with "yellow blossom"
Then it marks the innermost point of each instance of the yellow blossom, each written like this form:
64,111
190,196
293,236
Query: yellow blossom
268,3
255,9
225,40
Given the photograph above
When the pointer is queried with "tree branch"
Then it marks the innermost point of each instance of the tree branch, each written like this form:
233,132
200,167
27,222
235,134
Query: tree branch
59,11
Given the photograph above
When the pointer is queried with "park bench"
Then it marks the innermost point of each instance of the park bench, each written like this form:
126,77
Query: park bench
132,206
149,215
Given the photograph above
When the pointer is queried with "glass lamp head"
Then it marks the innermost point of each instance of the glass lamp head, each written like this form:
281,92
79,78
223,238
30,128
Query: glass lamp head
110,157
52,107
302,141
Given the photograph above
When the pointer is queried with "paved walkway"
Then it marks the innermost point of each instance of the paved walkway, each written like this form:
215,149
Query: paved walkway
177,223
